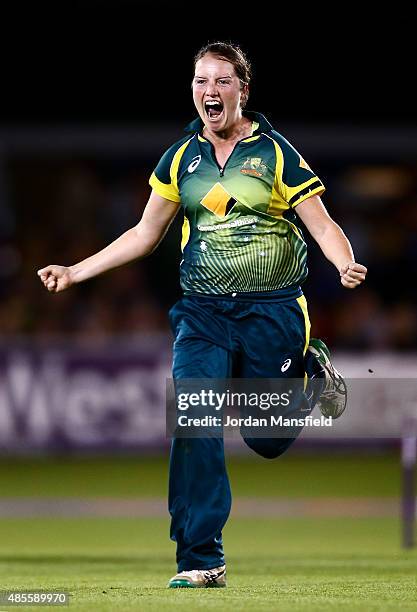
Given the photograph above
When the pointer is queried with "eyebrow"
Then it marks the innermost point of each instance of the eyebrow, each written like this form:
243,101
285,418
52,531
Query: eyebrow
229,76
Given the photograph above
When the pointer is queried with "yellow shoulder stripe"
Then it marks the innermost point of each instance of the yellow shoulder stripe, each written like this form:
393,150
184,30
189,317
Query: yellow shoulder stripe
170,191
277,204
165,191
175,163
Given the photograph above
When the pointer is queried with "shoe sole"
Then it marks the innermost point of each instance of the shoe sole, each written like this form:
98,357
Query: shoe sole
184,584
338,381
336,377
181,584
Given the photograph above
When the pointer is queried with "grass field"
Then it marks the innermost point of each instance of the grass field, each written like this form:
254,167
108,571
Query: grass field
292,475
273,563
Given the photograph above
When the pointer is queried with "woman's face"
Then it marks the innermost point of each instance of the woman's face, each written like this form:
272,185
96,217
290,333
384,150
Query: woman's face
217,93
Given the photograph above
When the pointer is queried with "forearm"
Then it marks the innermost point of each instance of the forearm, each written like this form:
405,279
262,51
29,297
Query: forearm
136,243
129,246
335,245
332,241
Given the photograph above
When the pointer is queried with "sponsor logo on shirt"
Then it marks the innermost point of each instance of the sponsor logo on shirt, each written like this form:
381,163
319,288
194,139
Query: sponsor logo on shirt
220,226
194,163
218,201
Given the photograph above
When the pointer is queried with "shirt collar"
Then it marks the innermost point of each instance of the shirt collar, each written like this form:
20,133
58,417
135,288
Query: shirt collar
264,126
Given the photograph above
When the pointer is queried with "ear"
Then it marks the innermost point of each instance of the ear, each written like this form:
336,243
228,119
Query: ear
244,94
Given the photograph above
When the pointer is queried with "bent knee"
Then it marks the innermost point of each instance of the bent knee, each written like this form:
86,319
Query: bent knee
272,453
269,449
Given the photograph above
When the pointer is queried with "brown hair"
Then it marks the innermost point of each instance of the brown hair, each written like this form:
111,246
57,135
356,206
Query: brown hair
230,53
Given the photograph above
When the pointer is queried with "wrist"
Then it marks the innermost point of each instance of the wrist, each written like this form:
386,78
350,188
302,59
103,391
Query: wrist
75,274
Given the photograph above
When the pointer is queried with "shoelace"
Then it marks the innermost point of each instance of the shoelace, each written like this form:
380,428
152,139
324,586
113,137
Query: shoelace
334,384
209,576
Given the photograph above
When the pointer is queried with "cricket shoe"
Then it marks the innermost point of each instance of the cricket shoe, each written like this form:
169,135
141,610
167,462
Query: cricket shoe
199,579
332,401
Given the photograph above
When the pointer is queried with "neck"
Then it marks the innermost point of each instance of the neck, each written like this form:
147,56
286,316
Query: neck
242,128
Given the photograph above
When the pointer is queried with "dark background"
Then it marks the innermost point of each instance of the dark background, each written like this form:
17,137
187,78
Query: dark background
94,92
98,61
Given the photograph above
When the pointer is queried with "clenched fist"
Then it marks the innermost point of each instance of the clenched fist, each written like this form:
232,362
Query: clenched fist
352,274
56,278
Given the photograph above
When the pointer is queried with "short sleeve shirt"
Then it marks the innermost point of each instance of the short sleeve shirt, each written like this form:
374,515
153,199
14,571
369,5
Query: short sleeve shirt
239,231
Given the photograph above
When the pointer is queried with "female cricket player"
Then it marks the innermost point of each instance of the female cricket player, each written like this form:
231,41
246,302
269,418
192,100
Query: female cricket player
241,186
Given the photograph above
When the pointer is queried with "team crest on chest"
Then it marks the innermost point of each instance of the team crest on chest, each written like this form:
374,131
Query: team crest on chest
254,166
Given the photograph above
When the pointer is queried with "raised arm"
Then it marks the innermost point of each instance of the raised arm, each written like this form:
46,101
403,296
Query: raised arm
332,241
136,243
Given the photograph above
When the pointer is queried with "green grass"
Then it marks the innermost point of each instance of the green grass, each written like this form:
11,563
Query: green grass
301,564
293,475
286,565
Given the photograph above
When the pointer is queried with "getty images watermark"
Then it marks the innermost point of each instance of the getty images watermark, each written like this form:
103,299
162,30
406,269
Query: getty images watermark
260,407
208,398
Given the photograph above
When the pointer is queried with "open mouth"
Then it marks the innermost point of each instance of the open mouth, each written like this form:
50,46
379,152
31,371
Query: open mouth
213,109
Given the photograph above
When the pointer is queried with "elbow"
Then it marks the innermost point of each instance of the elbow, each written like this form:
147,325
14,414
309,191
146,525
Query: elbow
147,243
326,230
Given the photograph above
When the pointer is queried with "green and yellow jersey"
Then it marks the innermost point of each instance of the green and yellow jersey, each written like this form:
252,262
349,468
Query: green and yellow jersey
239,233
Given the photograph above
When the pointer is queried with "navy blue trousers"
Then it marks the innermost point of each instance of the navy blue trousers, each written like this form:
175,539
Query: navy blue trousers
222,338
